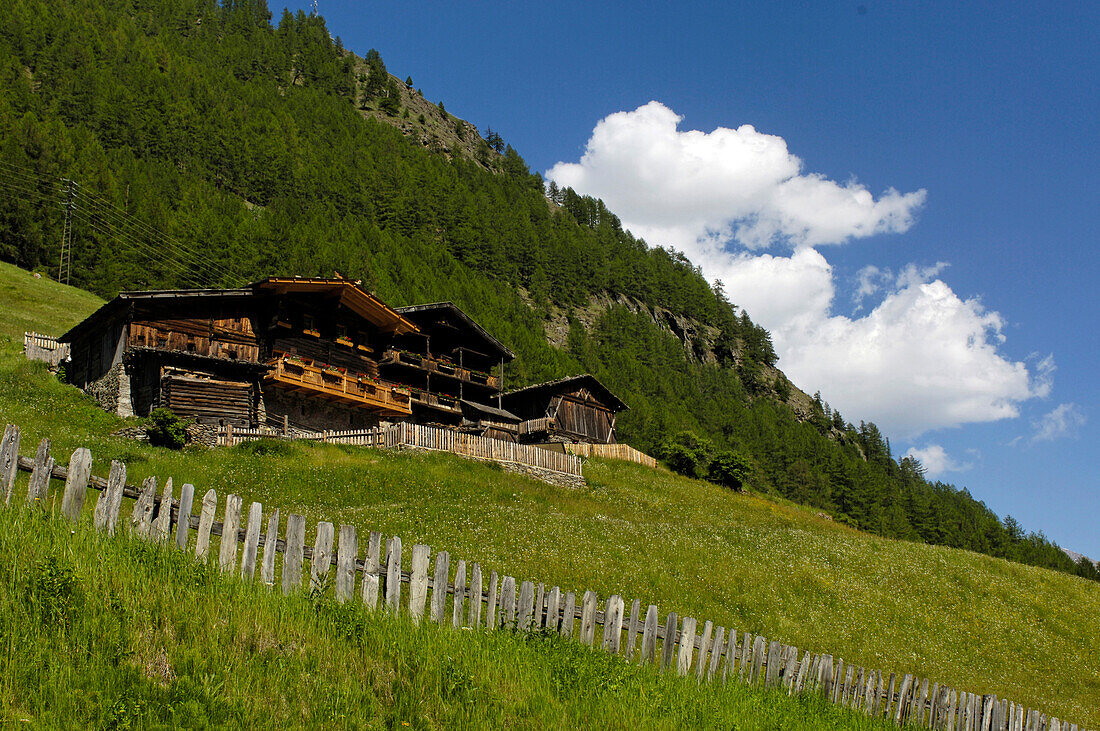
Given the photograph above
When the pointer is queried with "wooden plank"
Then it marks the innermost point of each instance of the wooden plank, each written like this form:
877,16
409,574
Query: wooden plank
540,605
508,602
568,614
613,624
729,667
920,695
771,669
439,586
846,685
206,522
743,671
321,562
759,649
418,581
668,644
459,595
903,697
491,619
989,702
553,609
162,526
526,609
39,482
790,671
803,672
183,516
836,681
393,575
347,552
295,552
951,710
9,461
649,636
271,547
106,508
825,678
76,483
372,565
633,627
686,647
141,522
473,617
704,649
716,652
231,525
251,540
588,618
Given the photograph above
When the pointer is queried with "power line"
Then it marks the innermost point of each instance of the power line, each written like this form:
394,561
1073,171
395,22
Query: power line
108,219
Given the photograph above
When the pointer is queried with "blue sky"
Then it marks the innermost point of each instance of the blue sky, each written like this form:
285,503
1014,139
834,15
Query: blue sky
974,341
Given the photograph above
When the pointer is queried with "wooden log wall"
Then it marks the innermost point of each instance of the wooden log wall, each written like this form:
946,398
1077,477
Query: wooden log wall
683,645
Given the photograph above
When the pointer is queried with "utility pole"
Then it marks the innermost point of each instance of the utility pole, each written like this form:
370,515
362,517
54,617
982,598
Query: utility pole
65,265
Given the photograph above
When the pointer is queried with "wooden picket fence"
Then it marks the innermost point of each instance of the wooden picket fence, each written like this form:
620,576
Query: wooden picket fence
424,437
623,452
45,348
463,596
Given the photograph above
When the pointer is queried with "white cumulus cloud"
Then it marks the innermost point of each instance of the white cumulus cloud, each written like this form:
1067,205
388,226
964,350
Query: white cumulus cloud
678,187
1063,421
920,358
936,461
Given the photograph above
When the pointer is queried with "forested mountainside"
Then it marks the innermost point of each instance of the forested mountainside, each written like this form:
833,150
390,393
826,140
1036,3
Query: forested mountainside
208,146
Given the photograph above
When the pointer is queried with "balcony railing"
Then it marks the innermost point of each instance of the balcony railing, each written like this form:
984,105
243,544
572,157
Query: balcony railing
350,388
439,366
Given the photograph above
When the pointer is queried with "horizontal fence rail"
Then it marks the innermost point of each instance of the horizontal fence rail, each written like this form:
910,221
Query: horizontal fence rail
383,573
422,437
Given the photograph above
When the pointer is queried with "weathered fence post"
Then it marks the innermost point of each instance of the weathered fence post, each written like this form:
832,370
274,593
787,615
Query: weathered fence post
110,500
459,595
162,527
418,581
491,621
588,618
568,614
271,547
439,585
206,523
526,607
474,618
231,526
39,482
508,601
251,540
372,565
9,460
393,575
704,648
347,550
687,646
141,518
183,515
295,552
613,624
76,483
649,636
322,557
633,627
668,645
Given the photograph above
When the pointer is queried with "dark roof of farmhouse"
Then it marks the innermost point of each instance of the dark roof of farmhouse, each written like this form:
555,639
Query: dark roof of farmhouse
584,380
498,348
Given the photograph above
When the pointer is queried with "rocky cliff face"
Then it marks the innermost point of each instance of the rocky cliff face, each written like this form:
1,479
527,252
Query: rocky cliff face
699,340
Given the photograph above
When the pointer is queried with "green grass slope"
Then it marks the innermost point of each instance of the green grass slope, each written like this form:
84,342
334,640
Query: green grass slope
980,624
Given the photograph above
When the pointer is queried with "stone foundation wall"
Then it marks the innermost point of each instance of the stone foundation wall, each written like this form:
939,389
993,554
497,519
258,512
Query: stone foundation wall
105,390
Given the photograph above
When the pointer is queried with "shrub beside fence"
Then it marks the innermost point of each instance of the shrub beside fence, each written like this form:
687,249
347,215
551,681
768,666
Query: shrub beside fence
372,569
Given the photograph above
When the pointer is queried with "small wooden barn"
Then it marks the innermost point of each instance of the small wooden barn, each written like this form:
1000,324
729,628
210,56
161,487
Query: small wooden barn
574,409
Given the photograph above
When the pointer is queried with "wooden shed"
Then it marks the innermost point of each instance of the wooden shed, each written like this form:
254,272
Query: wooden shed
574,409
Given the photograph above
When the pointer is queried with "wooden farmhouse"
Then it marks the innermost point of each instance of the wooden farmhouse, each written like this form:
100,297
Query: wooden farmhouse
301,354
574,409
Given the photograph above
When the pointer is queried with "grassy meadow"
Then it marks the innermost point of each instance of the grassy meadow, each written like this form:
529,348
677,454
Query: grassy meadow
974,622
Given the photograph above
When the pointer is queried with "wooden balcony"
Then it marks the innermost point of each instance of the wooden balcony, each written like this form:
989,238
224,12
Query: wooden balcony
440,401
352,389
439,367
